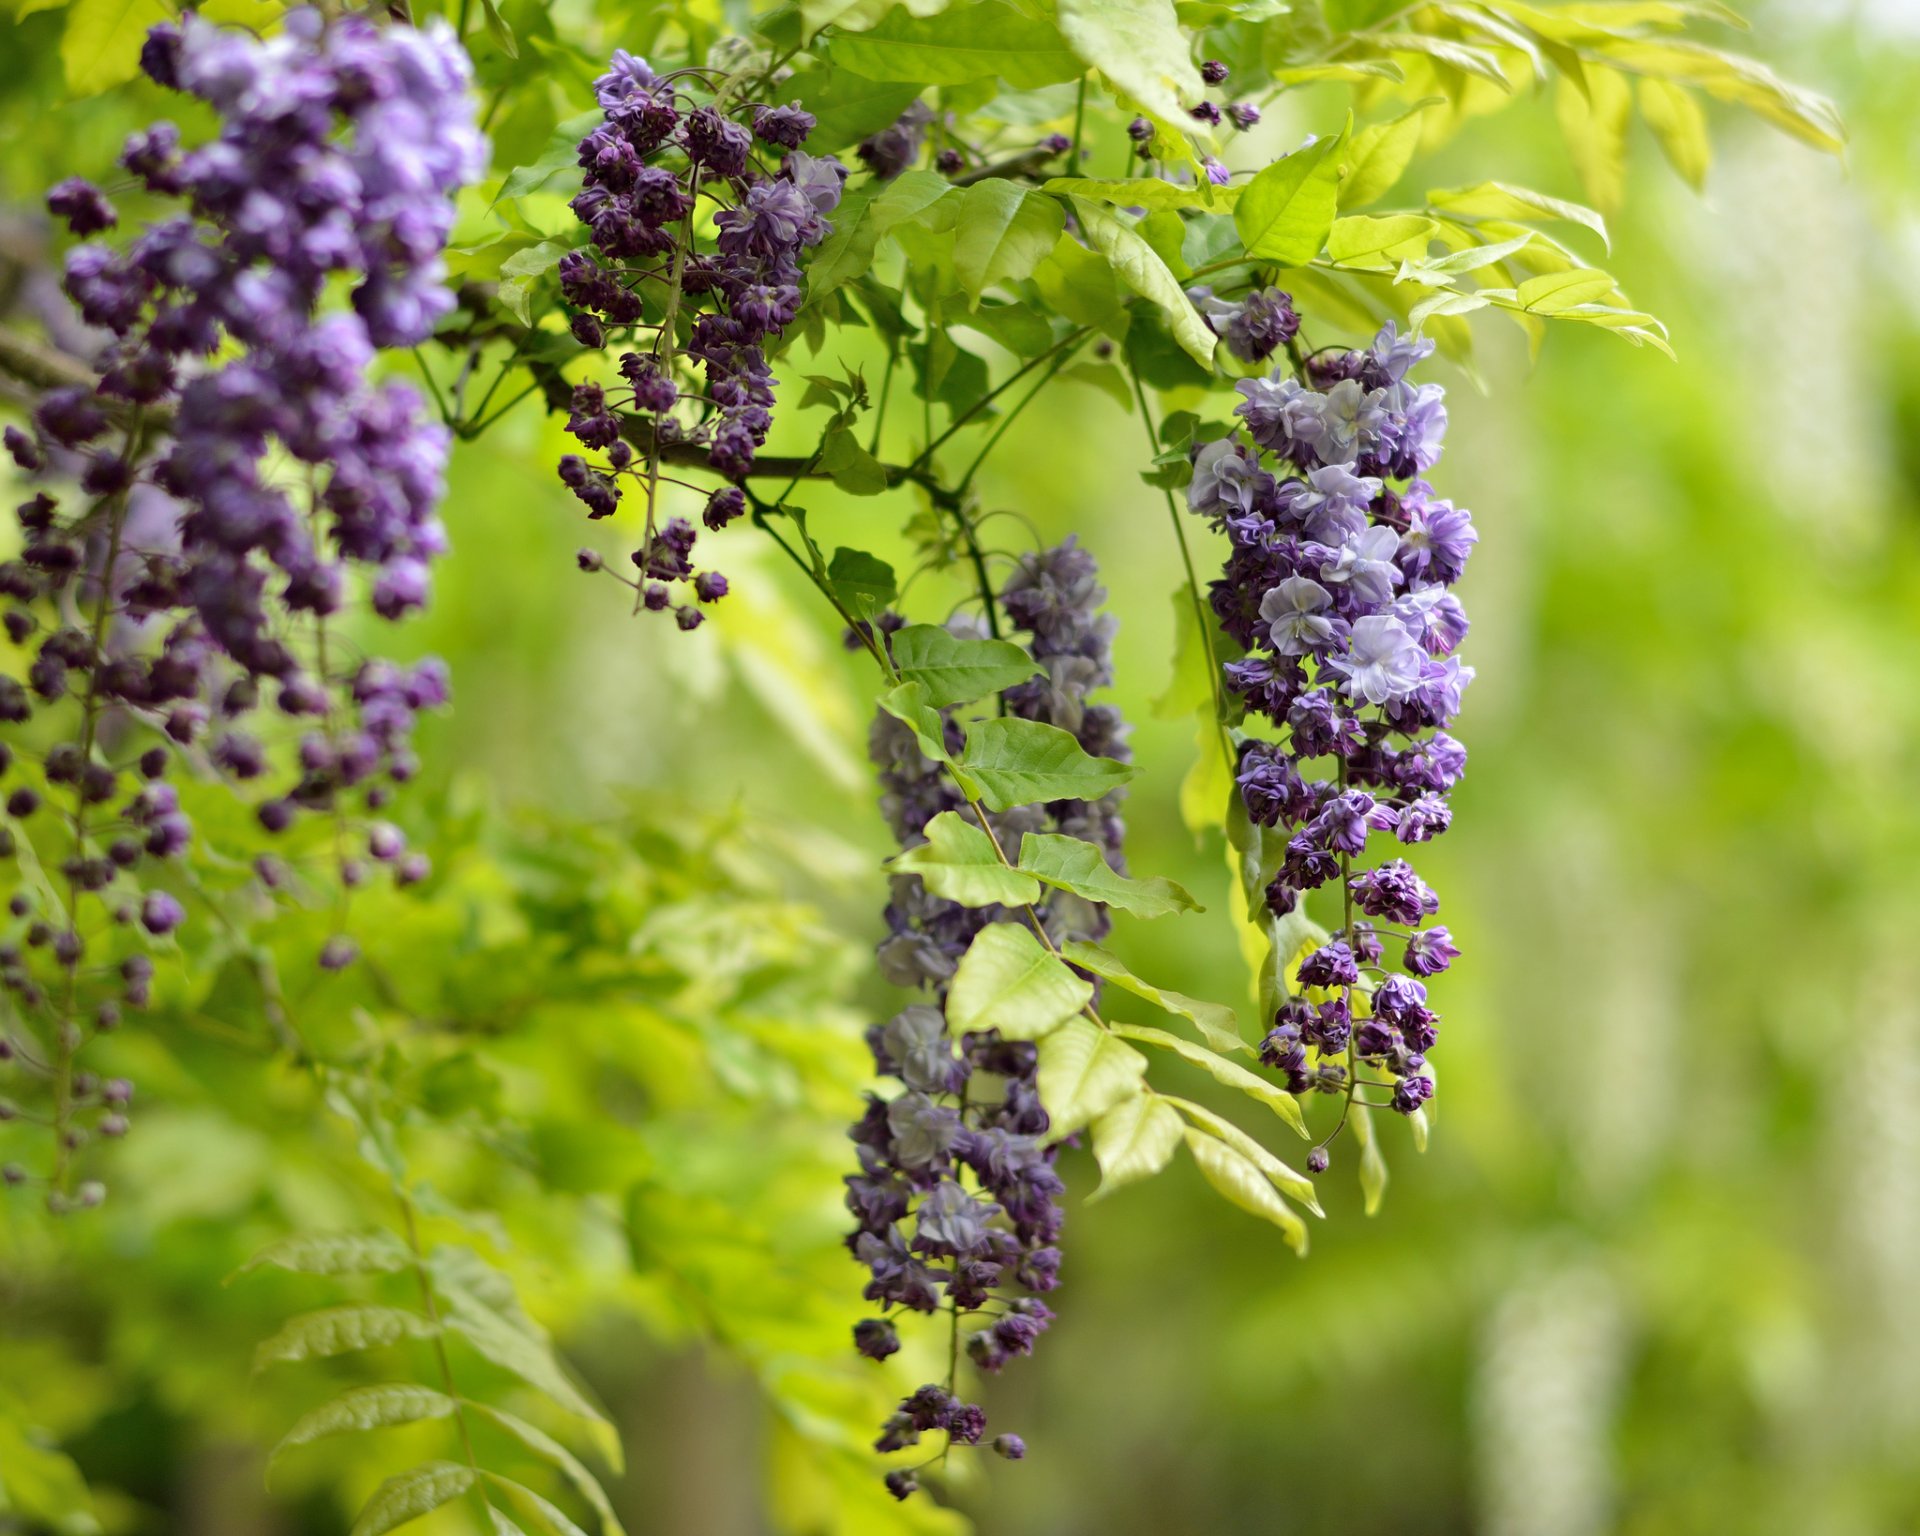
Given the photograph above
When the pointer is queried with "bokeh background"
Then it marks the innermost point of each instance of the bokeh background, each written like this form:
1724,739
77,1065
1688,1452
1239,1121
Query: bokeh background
1659,1273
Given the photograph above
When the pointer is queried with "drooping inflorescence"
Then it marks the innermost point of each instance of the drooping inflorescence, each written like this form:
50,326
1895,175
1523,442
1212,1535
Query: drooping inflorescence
1337,586
658,153
955,1198
215,495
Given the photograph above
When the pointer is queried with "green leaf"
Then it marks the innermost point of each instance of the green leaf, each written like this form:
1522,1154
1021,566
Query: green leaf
957,863
1681,127
366,1408
1554,293
852,468
1229,1073
1140,47
1007,981
1283,1178
1084,1072
908,704
857,15
958,671
1285,212
1373,1167
1071,864
101,45
531,1359
1081,285
1002,233
1362,240
1380,157
1023,762
542,1518
503,1524
912,198
846,107
863,583
1464,57
498,30
1215,1021
1500,200
848,251
1245,1186
403,1499
965,43
1139,266
332,1253
560,158
1150,193
1134,1140
339,1331
544,1445
1594,123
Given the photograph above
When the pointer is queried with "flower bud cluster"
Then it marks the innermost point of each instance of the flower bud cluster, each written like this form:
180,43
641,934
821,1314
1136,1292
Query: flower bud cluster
207,503
1338,587
955,1198
648,271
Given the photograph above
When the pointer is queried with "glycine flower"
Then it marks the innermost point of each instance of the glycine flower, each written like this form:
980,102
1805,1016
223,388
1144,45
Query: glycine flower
1338,584
1383,660
1364,564
653,155
1227,481
1333,506
1284,416
956,1199
1297,616
1352,420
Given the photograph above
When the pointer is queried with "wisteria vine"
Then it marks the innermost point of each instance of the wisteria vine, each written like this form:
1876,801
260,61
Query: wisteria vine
239,473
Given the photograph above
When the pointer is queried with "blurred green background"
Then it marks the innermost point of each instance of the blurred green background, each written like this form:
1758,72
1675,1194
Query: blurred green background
1660,1271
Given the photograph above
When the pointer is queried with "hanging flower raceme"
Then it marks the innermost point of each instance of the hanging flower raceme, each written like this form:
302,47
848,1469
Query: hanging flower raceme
659,151
1337,586
955,1198
238,473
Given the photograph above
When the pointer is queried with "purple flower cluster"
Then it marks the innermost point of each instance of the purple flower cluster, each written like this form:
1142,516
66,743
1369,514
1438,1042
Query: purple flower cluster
236,465
924,1230
1254,327
655,154
1337,586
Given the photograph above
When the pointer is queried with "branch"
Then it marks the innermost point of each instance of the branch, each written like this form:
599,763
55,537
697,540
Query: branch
1027,165
40,366
557,391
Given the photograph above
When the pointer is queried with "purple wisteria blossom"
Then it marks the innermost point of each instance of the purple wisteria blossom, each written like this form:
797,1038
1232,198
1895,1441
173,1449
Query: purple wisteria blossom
655,155
1337,586
955,1201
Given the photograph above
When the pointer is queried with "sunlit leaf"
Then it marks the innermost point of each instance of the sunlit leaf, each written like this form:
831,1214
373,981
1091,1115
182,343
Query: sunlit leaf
366,1408
957,862
1245,1186
1007,981
1084,1072
339,1331
1229,1073
1217,1023
1134,1140
1073,864
1285,212
1140,267
1023,762
401,1500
